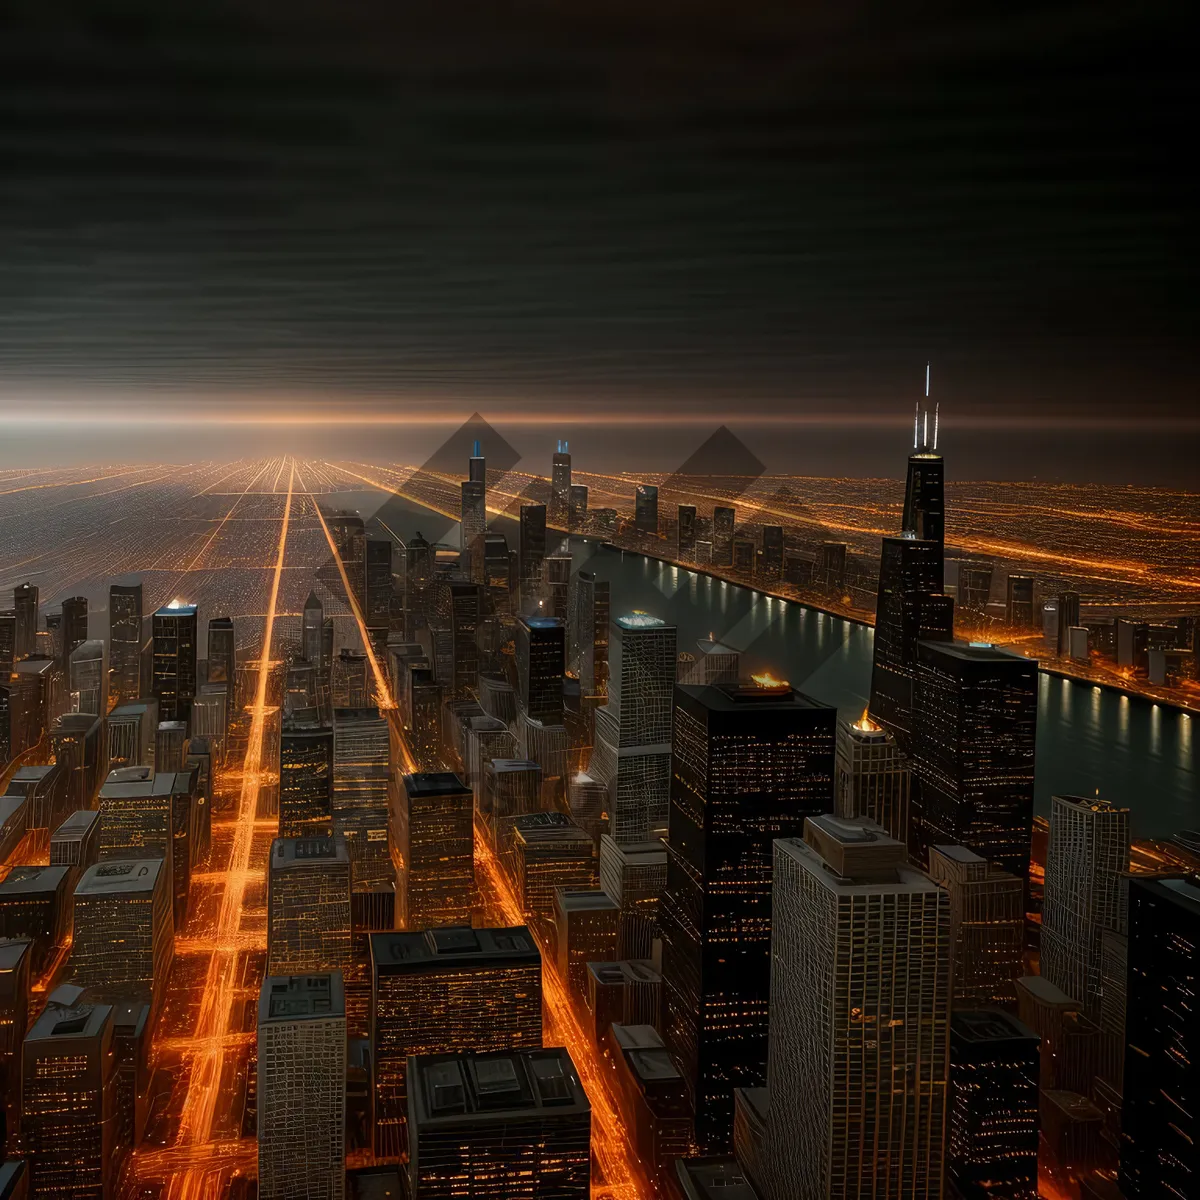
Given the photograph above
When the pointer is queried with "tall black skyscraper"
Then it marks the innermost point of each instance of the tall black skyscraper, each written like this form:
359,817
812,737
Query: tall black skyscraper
75,625
687,533
560,487
532,550
645,517
221,650
925,488
748,765
312,631
541,657
174,679
378,610
350,536
911,607
1159,1152
973,748
25,604
125,640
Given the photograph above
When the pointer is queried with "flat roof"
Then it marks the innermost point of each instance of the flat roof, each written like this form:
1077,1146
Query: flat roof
126,783
1042,989
544,622
713,1179
310,997
584,900
10,804
309,850
60,1021
118,876
133,708
988,1025
639,622
434,783
33,881
901,878
485,1088
739,699
984,652
452,946
176,610
648,853
77,823
12,950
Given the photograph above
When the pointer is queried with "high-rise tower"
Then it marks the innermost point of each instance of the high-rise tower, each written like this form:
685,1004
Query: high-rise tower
175,660
125,639
560,487
925,489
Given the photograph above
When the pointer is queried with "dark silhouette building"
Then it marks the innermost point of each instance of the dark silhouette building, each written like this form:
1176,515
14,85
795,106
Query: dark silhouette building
174,671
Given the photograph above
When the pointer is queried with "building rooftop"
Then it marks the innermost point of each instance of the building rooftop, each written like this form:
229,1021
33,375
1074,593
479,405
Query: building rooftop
1042,990
10,804
119,876
988,1025
639,622
29,776
635,854
33,881
129,782
713,1179
62,1021
1183,892
435,783
846,865
607,972
485,1088
287,852
76,824
544,622
533,833
176,610
133,708
984,652
313,997
738,698
452,946
1091,803
505,766
12,950
584,900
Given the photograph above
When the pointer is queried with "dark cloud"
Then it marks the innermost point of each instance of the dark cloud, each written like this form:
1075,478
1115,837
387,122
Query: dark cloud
790,203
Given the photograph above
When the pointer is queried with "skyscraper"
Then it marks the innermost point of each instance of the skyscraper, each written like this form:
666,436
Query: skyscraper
308,905
772,552
1085,893
25,604
1067,614
1159,1152
976,721
473,518
748,765
874,776
378,586
442,991
69,1102
987,926
312,631
8,642
221,651
686,535
860,1000
540,657
974,586
125,640
645,516
500,1126
724,521
577,508
1019,603
435,837
174,675
560,487
15,978
302,1087
992,1125
305,779
75,624
632,755
132,727
532,551
361,769
350,537
924,488
587,633
87,677
911,607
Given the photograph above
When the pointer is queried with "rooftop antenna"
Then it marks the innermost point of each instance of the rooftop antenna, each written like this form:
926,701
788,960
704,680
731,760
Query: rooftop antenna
936,407
925,436
916,423
475,453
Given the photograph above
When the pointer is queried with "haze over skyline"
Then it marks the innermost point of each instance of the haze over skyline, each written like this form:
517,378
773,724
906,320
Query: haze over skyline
674,216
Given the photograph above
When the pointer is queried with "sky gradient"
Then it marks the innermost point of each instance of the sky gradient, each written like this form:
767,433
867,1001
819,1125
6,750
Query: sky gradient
684,213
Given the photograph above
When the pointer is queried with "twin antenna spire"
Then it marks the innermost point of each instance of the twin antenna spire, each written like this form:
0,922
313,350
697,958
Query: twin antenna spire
921,427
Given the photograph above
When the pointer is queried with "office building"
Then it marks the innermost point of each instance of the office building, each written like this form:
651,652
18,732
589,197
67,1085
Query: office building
540,658
974,587
577,508
976,721
560,487
874,776
350,537
87,677
301,1087
435,838
124,934
748,765
634,874
724,521
174,672
35,904
860,998
652,1098
511,787
645,501
473,518
22,721
25,605
500,1126
76,843
632,754
131,1046
532,552
74,625
170,745
557,590
360,794
685,545
1085,894
911,607
15,979
1019,606
587,637
992,1122
46,788
443,991
377,612
1159,1155
771,564
925,495
312,628
132,732
714,663
8,642
308,905
79,745
544,851
305,779
125,640
222,652
72,1147
586,924
987,926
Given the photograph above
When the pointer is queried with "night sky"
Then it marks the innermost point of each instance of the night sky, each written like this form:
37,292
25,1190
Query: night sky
755,212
